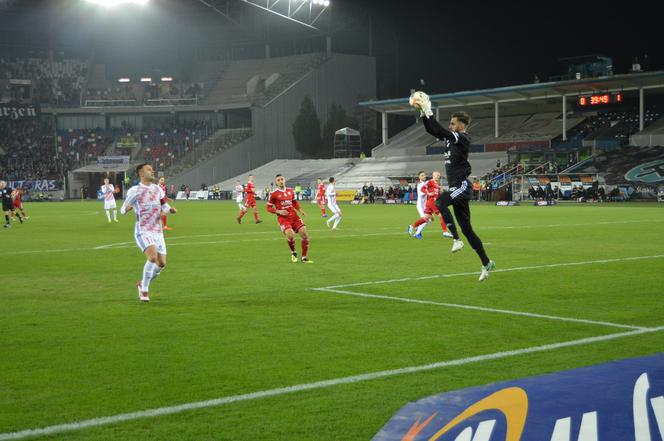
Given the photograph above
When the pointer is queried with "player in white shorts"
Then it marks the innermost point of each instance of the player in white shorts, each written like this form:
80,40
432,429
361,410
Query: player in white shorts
421,200
148,201
239,195
331,196
108,191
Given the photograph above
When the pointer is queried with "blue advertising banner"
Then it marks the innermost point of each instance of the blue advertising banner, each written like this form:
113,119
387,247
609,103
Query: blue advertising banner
618,401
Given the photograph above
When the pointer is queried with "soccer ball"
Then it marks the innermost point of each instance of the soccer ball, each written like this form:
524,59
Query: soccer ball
418,98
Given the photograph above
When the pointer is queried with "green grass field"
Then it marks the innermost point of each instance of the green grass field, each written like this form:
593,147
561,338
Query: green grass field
231,316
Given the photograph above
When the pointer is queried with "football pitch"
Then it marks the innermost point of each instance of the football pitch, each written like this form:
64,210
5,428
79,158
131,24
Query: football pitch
238,343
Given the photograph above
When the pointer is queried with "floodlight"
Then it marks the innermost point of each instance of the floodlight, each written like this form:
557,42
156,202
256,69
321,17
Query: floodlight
146,80
124,80
114,3
326,3
166,79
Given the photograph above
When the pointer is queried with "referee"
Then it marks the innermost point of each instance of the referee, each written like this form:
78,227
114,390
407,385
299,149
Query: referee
458,169
7,202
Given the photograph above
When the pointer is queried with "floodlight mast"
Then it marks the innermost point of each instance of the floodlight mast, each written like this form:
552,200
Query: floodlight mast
292,8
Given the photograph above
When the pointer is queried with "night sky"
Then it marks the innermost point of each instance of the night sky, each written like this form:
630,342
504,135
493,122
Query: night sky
451,45
458,46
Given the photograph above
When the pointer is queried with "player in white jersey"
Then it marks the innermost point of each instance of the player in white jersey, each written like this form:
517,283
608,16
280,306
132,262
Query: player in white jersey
108,191
331,196
148,201
421,200
239,195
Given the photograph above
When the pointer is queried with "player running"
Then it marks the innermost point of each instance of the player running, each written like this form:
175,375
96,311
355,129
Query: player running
320,196
282,202
164,218
108,191
458,169
250,190
239,198
427,192
331,195
149,201
18,204
7,203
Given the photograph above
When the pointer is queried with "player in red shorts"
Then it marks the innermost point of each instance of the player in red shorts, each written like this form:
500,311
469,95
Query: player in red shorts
282,202
432,190
250,190
18,205
164,218
320,197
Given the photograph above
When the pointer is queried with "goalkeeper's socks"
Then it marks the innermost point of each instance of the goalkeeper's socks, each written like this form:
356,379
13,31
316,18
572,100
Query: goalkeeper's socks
7,219
20,219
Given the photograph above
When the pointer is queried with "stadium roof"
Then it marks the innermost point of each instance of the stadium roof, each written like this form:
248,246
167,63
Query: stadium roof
528,92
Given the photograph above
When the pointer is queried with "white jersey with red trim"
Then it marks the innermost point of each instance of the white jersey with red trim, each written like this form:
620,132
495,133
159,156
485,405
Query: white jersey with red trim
148,202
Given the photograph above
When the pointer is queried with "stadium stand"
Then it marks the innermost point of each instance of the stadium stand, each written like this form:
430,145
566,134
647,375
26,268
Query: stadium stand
352,173
50,82
302,171
204,148
527,130
26,153
257,81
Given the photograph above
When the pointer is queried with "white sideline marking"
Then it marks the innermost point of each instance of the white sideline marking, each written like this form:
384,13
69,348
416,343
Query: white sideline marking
170,410
478,308
503,270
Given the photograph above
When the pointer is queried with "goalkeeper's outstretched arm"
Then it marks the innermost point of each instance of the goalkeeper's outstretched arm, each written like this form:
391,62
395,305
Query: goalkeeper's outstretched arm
435,129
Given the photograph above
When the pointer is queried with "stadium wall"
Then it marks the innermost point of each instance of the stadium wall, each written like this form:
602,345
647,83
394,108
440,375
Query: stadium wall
340,80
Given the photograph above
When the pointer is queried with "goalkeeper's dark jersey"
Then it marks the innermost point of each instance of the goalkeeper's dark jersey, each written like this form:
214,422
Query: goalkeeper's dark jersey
457,166
6,196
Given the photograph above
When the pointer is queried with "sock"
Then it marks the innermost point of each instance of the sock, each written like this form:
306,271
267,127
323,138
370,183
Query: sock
242,213
156,270
115,214
7,219
20,219
333,218
336,222
305,247
148,275
291,244
255,214
419,222
421,228
108,215
323,210
164,220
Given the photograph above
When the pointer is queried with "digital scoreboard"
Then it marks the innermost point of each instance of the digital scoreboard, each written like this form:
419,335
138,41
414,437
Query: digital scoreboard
600,100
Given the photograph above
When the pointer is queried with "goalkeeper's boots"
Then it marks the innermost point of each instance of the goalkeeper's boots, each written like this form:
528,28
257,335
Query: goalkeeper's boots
485,270
457,245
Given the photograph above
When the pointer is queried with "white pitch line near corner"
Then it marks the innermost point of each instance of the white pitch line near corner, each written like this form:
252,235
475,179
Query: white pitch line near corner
503,270
170,410
478,308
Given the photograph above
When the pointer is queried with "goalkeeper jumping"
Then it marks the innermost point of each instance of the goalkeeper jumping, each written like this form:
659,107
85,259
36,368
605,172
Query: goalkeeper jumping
458,169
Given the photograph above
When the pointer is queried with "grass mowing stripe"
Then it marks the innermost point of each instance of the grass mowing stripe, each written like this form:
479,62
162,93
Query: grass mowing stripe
478,308
152,413
504,270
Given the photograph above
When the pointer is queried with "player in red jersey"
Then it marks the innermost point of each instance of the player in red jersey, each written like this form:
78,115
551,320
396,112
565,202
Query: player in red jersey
432,190
250,190
320,197
282,202
18,205
164,218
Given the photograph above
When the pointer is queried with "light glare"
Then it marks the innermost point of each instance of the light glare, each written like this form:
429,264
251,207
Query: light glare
114,3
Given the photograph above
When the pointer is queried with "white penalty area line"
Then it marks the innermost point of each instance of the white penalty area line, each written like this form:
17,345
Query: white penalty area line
503,270
478,308
170,410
